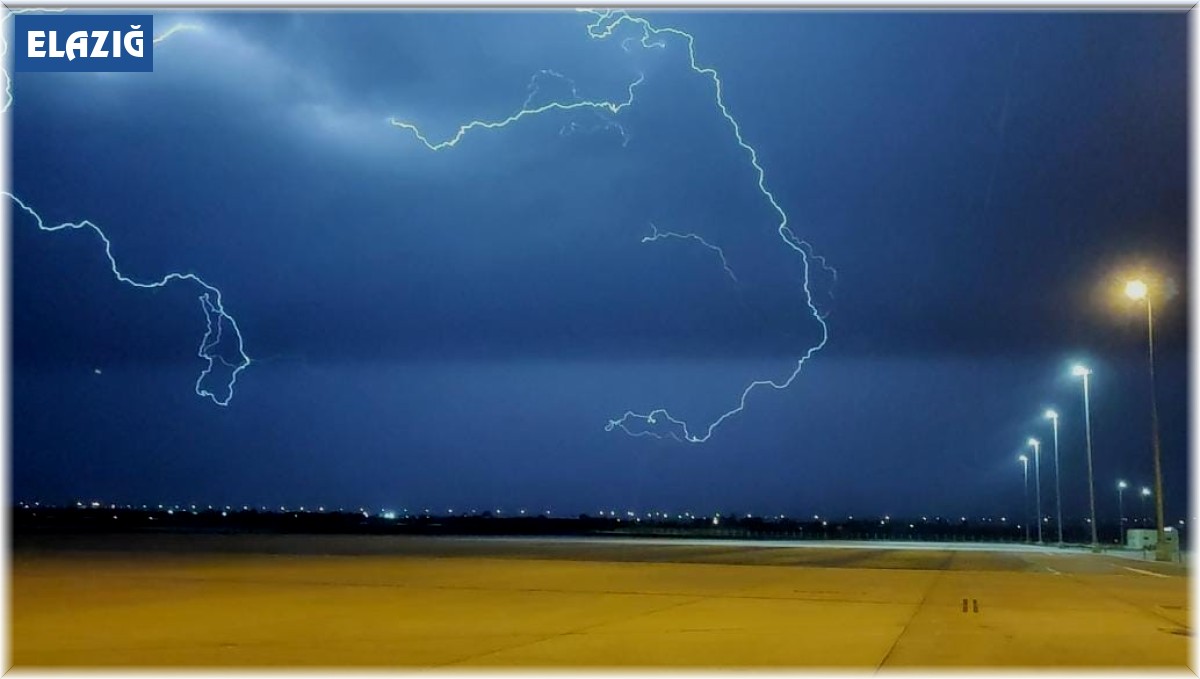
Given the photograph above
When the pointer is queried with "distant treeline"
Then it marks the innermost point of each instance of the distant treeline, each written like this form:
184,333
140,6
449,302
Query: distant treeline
64,520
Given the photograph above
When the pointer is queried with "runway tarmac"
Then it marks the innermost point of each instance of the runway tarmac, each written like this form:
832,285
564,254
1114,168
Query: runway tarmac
390,601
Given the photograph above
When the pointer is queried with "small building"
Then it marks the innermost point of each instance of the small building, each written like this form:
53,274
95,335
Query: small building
1147,538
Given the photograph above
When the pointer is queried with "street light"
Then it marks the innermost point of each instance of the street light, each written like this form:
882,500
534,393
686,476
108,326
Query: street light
1025,465
1138,291
1053,417
1145,494
1037,474
1121,486
1084,372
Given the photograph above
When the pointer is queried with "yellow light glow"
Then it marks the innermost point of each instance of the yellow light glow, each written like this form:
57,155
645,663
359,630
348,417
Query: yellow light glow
1136,289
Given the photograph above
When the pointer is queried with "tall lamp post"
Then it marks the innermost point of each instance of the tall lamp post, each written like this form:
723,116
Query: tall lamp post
1121,486
1025,465
1086,373
1137,290
1037,475
1053,417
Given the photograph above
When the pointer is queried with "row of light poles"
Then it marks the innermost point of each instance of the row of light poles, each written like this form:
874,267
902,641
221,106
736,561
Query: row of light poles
1121,486
1136,290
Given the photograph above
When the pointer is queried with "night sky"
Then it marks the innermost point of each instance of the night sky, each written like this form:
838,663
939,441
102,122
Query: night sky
454,329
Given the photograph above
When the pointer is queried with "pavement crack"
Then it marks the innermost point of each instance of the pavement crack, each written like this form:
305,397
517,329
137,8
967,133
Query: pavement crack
933,581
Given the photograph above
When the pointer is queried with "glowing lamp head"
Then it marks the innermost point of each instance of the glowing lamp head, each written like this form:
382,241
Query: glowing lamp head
1051,415
1022,458
1122,485
1079,370
1145,491
1034,442
1136,289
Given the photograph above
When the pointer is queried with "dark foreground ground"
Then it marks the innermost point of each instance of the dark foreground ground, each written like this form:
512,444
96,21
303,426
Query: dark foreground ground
294,600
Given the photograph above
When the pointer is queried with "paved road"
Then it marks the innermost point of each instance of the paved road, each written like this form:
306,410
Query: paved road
401,601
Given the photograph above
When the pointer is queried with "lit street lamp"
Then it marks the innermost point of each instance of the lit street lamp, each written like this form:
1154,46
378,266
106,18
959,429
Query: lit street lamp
1137,290
1053,417
1121,486
1085,373
1037,475
1025,465
1145,494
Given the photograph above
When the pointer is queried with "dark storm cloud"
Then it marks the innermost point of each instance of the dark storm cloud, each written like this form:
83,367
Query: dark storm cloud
1046,158
970,176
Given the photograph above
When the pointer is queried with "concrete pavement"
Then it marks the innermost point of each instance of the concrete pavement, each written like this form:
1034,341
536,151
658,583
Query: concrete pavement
221,601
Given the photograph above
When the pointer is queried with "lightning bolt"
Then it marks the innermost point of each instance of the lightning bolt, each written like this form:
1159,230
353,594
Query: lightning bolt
8,93
661,235
603,27
572,127
526,111
217,320
608,21
177,28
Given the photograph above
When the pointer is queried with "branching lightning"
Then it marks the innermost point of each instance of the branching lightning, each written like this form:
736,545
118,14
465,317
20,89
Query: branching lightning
613,107
603,27
606,123
661,235
215,317
217,320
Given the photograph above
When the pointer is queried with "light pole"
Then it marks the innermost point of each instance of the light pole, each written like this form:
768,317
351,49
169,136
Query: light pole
1085,373
1053,417
1025,465
1137,290
1037,475
1145,494
1121,486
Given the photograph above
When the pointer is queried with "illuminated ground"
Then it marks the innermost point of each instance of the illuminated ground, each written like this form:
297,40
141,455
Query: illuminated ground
386,601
